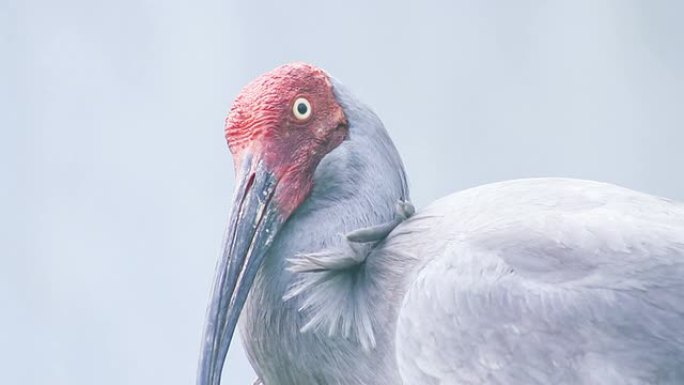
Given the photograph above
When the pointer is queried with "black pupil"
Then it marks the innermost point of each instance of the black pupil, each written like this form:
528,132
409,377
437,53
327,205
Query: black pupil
302,108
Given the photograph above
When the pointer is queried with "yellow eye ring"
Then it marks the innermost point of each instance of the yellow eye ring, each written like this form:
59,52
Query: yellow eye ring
301,109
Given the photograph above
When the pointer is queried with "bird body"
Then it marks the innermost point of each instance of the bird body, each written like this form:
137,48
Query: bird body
532,281
544,281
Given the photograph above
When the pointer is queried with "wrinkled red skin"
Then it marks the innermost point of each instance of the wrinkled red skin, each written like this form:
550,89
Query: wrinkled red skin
261,122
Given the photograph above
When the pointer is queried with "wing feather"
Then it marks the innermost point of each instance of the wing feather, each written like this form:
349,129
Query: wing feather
547,281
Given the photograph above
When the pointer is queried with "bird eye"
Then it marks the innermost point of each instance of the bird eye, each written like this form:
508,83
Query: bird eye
301,109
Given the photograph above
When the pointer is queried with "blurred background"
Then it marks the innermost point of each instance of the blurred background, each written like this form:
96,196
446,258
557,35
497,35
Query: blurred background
116,179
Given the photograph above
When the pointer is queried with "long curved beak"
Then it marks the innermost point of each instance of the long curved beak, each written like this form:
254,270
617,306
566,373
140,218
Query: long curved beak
254,222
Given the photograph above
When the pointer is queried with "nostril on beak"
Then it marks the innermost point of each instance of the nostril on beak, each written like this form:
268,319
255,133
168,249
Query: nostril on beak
250,182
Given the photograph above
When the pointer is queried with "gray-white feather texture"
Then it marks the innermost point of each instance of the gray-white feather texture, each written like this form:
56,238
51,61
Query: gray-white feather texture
333,282
546,281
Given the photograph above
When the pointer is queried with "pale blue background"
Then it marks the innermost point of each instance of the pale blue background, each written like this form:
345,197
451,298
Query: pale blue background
116,179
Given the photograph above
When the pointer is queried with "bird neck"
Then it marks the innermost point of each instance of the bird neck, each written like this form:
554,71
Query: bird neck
356,186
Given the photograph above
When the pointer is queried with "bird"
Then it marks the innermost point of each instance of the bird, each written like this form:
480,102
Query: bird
333,277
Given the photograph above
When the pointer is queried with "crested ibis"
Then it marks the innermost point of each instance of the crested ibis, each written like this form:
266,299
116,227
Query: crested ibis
335,280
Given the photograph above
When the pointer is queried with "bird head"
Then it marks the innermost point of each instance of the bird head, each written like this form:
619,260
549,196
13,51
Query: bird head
279,129
288,119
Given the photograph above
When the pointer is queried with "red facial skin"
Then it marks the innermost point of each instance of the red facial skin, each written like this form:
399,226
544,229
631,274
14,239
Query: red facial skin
262,123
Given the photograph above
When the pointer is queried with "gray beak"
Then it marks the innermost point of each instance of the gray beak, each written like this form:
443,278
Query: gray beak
254,222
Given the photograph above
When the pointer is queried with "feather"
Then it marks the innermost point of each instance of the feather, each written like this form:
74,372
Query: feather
331,284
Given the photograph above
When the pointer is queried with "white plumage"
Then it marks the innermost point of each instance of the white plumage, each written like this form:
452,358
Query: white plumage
544,281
